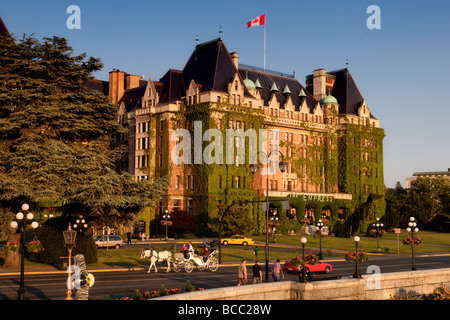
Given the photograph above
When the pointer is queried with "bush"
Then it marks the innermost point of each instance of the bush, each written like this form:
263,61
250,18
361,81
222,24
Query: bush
51,236
439,293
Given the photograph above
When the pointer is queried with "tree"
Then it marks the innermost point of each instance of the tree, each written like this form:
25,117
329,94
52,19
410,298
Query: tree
183,222
56,138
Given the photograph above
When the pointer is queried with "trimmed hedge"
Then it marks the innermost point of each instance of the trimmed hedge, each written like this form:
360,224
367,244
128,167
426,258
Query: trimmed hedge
51,236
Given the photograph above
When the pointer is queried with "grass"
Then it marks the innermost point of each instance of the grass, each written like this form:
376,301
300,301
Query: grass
433,242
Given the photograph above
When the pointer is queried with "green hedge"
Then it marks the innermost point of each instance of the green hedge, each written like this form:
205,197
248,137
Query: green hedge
51,236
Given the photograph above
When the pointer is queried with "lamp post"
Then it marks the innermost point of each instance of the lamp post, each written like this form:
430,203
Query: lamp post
320,225
356,275
274,219
69,239
412,228
20,223
378,227
254,168
166,216
303,241
80,224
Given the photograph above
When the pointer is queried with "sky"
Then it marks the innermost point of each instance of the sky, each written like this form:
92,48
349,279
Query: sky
402,69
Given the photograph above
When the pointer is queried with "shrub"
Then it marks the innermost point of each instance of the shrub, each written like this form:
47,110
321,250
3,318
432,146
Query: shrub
51,236
439,293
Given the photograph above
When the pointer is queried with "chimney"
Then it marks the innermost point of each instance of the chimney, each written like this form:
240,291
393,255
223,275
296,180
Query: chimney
132,81
116,85
235,58
319,84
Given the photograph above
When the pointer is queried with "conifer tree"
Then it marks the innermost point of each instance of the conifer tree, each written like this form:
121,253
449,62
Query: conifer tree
57,139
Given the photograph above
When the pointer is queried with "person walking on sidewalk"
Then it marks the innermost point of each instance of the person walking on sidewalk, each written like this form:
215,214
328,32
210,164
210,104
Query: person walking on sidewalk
277,271
129,237
257,273
255,252
242,273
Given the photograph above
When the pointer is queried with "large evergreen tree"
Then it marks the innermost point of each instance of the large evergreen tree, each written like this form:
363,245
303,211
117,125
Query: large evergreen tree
56,138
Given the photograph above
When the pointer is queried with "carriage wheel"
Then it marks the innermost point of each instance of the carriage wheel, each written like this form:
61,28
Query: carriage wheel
176,267
201,268
188,266
213,264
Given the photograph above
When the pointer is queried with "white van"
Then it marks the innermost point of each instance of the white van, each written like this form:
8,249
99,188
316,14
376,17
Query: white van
110,240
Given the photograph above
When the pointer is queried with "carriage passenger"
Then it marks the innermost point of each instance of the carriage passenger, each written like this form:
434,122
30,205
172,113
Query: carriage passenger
205,253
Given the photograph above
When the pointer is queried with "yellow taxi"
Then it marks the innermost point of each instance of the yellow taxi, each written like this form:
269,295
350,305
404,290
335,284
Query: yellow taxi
238,239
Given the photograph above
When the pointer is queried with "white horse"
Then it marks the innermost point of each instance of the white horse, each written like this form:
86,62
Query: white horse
156,256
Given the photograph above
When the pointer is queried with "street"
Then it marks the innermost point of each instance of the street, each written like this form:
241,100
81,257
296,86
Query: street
121,282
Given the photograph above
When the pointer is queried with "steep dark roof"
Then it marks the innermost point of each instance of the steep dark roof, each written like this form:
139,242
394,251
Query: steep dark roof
267,80
132,98
97,85
172,85
346,92
3,30
211,66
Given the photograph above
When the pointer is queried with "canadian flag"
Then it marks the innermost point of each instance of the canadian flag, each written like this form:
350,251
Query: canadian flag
258,21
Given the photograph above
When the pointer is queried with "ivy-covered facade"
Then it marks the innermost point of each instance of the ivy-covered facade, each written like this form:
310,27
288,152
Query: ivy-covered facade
324,131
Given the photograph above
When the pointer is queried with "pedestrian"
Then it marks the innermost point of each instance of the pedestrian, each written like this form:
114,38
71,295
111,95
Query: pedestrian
257,273
129,237
255,252
277,271
242,273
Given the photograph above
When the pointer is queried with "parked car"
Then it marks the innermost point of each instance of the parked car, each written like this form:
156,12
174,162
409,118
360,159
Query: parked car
112,240
319,267
238,239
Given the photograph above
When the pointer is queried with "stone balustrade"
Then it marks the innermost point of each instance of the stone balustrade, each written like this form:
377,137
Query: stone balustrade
370,287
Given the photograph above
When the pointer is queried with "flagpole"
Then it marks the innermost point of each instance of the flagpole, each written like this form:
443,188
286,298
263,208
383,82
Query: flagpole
265,24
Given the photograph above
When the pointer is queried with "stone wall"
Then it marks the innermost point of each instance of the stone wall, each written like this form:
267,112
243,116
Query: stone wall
370,287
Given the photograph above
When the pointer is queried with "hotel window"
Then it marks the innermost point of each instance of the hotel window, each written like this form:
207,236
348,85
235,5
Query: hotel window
177,182
218,99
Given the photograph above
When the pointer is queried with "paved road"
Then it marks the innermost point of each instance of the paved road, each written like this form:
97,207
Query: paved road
119,282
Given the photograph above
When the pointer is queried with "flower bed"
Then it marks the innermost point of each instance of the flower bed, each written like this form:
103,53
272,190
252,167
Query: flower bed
137,295
310,259
415,241
353,256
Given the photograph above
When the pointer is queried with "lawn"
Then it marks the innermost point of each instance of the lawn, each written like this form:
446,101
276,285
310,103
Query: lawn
433,242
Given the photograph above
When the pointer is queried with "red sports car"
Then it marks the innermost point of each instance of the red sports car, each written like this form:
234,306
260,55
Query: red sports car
318,267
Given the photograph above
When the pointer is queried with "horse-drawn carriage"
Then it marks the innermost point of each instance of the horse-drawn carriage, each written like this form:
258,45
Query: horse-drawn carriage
187,260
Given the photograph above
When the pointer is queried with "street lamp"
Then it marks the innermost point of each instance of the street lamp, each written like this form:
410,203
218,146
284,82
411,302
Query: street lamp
378,226
303,241
80,224
356,275
254,168
274,219
320,225
69,240
20,223
412,228
166,216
